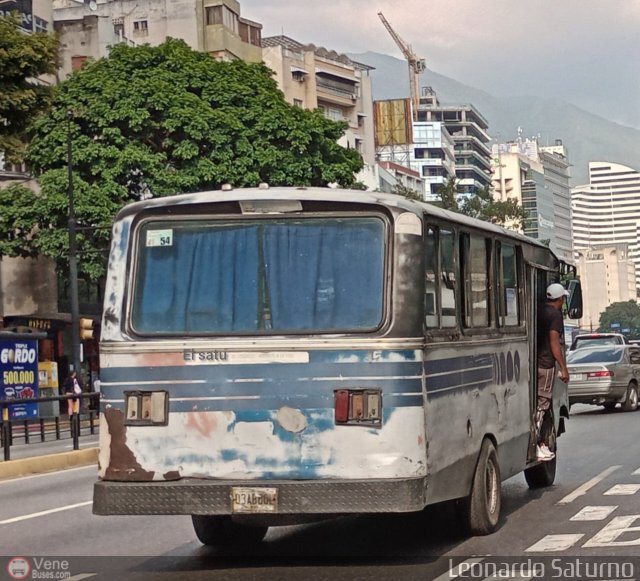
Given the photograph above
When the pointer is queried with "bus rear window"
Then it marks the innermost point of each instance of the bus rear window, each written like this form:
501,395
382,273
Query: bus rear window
259,276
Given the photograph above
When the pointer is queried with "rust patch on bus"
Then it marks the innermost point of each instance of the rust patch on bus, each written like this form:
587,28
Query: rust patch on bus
171,475
123,464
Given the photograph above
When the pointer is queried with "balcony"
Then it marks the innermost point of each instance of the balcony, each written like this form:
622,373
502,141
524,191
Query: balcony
333,94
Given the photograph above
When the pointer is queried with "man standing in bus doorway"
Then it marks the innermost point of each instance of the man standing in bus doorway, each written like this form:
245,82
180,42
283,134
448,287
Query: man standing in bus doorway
550,352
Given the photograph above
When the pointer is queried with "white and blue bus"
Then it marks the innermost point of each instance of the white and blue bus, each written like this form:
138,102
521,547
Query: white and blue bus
274,355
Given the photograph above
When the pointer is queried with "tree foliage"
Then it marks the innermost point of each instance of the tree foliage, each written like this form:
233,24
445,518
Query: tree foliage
448,194
626,314
23,58
505,213
480,205
157,121
407,192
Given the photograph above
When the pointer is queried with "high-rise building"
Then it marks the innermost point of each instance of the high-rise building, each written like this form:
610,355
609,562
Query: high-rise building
316,78
537,177
607,210
607,275
468,130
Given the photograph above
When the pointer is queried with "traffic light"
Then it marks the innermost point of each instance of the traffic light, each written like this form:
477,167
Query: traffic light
86,329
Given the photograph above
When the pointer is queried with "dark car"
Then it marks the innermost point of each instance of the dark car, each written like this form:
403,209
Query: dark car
594,339
605,375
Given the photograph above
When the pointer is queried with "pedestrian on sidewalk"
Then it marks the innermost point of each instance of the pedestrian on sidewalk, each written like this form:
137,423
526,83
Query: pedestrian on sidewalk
550,353
72,386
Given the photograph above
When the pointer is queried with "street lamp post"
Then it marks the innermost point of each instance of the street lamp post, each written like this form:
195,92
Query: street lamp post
73,264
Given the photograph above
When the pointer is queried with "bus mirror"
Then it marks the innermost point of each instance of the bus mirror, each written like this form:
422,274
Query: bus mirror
574,300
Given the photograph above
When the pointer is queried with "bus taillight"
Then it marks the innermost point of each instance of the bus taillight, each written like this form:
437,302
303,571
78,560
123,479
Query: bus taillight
358,407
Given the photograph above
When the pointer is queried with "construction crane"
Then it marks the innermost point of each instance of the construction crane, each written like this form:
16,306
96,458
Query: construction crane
416,65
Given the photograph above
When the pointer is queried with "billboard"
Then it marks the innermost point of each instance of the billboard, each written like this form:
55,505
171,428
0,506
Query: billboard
392,122
19,376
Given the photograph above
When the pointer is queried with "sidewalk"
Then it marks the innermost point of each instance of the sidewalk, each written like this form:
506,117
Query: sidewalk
51,455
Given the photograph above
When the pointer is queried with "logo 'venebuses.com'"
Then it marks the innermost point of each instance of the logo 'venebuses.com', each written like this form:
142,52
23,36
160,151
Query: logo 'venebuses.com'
19,568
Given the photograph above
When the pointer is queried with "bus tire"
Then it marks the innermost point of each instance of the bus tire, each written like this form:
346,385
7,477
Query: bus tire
481,510
543,474
218,531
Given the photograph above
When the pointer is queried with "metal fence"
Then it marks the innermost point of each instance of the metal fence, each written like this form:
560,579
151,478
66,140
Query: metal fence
11,430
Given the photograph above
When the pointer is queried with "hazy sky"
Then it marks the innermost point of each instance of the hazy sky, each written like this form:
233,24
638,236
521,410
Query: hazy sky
584,51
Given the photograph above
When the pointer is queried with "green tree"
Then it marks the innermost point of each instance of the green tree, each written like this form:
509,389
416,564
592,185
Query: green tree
156,121
409,193
448,194
626,314
23,58
505,213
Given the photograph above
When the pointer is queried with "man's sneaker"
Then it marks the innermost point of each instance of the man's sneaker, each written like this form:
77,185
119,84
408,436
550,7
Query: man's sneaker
543,453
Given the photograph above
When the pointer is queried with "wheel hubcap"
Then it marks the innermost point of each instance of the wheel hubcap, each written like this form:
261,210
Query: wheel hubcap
492,487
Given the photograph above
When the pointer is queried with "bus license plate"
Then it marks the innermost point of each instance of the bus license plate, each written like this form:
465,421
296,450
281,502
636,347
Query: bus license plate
246,499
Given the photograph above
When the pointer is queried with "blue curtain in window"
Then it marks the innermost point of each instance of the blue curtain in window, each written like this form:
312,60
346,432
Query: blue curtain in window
308,275
204,281
324,276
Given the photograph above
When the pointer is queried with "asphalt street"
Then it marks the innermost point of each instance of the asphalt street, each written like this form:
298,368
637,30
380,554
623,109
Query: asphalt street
590,512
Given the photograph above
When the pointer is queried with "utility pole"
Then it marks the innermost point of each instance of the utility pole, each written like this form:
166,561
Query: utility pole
73,265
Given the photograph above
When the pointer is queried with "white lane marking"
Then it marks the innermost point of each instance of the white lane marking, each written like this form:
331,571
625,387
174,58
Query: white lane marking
554,543
155,382
44,512
623,489
593,513
581,490
53,473
458,569
636,472
81,576
619,525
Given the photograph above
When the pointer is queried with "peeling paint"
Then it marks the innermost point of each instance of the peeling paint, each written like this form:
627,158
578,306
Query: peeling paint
291,419
104,450
240,449
201,422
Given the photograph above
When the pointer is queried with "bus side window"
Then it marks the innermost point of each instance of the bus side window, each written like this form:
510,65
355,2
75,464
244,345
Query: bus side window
474,265
508,307
447,279
431,281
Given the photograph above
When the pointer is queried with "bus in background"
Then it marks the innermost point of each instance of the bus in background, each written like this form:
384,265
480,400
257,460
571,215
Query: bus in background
274,355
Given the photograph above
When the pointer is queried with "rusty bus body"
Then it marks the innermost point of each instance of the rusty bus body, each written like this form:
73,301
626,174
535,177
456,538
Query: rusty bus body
291,352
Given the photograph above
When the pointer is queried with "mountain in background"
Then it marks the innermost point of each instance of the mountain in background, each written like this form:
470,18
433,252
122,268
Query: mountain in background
586,136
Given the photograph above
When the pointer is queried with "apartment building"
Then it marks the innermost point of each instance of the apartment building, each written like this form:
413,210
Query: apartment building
537,177
468,130
607,210
607,275
88,29
392,175
313,77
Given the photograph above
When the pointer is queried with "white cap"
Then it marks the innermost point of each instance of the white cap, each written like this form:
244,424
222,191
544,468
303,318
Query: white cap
556,290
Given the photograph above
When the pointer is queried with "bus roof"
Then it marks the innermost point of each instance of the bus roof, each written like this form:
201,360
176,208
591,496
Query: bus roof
326,194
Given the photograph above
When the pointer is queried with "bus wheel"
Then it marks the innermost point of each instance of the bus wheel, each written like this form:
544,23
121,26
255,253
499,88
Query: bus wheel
481,510
217,531
543,474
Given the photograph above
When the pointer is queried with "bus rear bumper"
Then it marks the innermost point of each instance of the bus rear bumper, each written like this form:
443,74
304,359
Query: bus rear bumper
200,496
